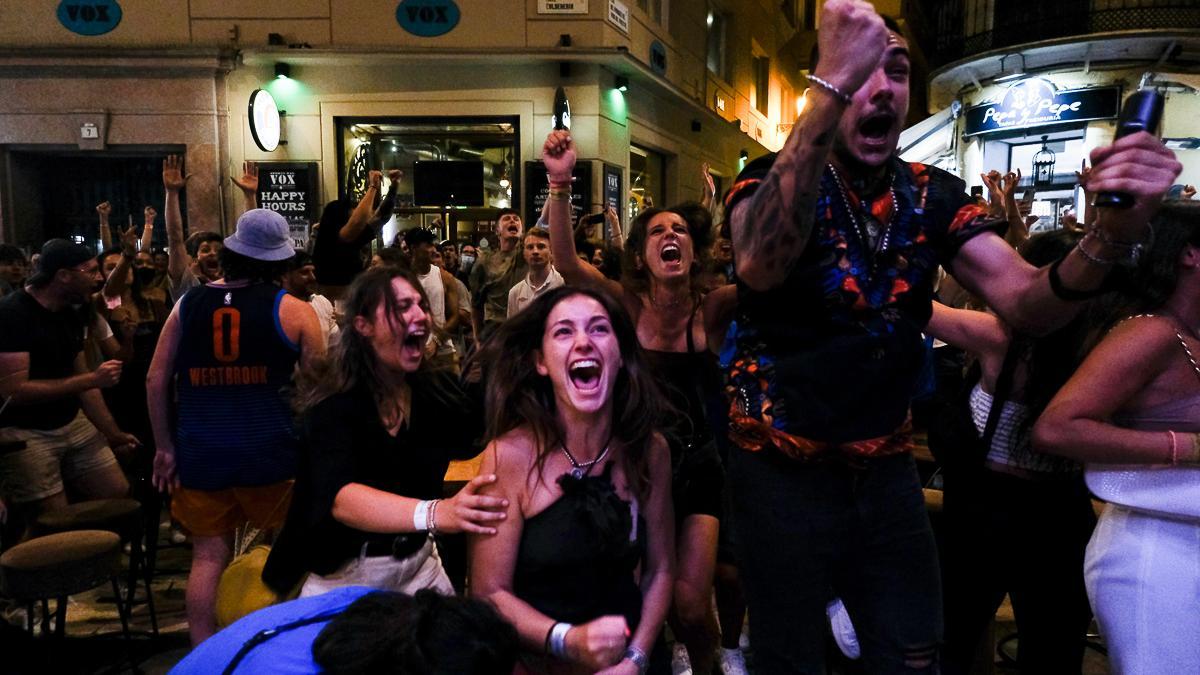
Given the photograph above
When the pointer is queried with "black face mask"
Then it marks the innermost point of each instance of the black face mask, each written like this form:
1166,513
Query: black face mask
145,275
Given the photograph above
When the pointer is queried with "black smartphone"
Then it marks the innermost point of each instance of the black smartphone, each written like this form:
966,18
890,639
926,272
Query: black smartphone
1029,194
594,219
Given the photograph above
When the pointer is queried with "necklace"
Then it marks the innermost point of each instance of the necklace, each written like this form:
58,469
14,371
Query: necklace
581,469
885,239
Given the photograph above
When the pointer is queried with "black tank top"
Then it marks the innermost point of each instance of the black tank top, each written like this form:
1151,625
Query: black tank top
577,557
690,380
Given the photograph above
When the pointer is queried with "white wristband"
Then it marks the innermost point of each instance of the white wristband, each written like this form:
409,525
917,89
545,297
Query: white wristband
421,516
558,639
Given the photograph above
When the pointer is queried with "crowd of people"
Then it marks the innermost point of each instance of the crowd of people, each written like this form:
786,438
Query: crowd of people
707,417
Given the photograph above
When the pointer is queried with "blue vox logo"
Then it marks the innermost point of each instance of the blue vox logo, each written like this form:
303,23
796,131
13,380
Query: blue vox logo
428,18
89,17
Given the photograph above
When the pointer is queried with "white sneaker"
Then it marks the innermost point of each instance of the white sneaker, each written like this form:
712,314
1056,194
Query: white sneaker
680,663
732,662
843,629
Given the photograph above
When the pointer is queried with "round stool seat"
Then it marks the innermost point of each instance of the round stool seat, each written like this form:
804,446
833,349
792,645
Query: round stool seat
59,564
122,516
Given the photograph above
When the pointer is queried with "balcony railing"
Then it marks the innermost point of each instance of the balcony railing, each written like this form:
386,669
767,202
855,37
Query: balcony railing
968,27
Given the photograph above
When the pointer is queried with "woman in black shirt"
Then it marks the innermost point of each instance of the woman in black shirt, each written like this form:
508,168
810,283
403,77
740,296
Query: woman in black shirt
582,566
377,433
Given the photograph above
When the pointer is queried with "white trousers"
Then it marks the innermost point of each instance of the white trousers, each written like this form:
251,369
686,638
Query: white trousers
422,569
1143,579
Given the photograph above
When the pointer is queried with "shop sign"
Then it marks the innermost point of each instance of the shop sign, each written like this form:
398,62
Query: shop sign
658,57
89,17
1038,102
613,194
290,189
618,15
537,189
562,7
428,18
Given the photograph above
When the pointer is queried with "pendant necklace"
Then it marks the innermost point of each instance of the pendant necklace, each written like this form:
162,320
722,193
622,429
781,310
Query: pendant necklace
885,239
581,469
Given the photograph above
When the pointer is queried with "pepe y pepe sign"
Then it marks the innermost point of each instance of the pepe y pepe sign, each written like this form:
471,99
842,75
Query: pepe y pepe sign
1037,102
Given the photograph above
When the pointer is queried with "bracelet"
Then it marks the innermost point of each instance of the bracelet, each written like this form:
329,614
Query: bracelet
559,184
1133,249
638,658
556,639
1174,448
421,516
1095,260
1067,294
560,195
431,521
829,87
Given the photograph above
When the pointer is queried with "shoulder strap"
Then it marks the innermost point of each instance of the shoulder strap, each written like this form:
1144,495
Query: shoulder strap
268,633
691,343
1003,389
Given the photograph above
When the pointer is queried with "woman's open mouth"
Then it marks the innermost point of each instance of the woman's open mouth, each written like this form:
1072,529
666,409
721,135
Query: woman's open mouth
671,253
585,374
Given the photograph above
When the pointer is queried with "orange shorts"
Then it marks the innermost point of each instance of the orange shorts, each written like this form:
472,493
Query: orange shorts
212,513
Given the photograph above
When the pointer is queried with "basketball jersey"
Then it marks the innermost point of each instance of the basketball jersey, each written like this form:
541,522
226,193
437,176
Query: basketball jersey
231,368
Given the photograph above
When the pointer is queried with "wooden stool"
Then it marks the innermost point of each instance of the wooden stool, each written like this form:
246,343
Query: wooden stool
59,565
122,517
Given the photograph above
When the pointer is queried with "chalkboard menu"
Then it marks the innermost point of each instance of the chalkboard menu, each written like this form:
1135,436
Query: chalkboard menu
537,190
290,189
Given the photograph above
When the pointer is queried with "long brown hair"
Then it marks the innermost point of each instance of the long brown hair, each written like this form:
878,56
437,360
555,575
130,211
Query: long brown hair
352,360
518,395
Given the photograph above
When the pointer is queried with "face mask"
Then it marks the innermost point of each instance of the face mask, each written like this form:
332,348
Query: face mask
145,275
466,262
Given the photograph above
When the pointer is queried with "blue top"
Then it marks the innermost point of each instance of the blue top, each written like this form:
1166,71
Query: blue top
232,368
286,653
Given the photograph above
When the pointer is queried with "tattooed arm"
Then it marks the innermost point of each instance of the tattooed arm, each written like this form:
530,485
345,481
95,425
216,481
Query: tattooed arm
770,230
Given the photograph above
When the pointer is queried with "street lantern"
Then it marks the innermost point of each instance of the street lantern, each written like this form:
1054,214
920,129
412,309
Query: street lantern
1043,165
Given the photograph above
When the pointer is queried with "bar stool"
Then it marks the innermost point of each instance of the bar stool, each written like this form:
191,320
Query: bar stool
122,517
60,565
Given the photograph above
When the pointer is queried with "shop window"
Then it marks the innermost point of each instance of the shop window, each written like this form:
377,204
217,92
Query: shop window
761,66
647,171
716,42
655,9
400,142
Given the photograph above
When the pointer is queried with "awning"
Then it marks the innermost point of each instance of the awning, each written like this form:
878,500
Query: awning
928,139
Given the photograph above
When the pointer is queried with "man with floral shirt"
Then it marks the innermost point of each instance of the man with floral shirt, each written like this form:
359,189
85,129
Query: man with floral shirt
837,243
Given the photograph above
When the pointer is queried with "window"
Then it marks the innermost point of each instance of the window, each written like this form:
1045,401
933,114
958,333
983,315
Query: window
762,83
716,43
655,9
647,171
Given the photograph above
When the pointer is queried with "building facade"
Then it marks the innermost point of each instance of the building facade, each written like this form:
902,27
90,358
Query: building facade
1029,81
94,93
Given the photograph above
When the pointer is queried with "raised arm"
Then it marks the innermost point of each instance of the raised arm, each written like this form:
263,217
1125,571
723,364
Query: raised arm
147,229
1036,301
360,218
1077,424
103,210
558,154
174,180
771,230
248,184
117,282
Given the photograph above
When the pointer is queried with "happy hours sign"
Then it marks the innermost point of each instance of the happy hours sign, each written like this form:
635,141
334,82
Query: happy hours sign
290,190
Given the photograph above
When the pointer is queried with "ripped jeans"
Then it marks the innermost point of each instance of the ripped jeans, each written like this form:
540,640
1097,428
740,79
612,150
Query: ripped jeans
809,532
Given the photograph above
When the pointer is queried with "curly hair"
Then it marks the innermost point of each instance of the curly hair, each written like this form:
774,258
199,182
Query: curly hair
517,395
700,229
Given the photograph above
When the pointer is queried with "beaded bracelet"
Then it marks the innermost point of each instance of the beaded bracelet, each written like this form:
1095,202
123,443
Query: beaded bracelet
1095,260
431,523
831,88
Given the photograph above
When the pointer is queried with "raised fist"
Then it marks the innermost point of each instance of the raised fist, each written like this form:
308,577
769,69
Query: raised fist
395,175
851,40
374,178
558,154
104,209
